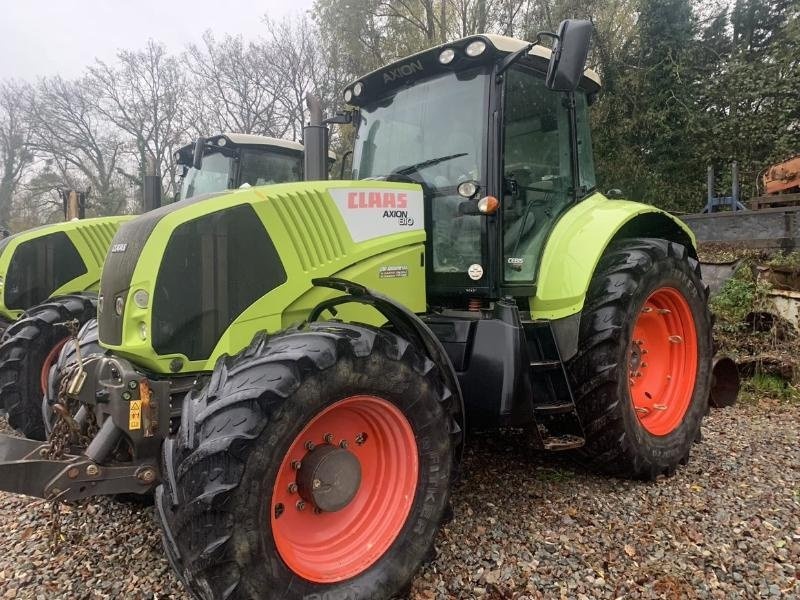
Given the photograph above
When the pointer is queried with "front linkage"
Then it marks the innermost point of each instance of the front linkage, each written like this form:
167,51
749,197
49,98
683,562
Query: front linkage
79,460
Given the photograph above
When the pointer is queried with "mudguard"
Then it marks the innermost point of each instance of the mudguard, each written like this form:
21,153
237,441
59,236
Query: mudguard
580,238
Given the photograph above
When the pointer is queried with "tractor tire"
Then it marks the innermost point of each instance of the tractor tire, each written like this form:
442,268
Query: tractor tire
243,518
88,340
30,347
642,375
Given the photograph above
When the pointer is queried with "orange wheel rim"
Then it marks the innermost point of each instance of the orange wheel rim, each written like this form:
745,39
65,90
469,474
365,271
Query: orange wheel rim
48,362
662,361
330,546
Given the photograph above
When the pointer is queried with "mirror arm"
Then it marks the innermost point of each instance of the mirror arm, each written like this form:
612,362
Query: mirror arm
512,58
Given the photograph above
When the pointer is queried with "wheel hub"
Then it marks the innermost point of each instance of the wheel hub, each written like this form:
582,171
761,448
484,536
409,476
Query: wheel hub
329,477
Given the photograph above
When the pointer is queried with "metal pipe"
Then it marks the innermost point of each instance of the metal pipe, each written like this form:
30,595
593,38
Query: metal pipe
315,143
151,190
104,442
710,184
735,184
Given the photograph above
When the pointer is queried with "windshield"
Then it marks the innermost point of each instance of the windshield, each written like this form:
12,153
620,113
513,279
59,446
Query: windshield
212,177
264,168
432,132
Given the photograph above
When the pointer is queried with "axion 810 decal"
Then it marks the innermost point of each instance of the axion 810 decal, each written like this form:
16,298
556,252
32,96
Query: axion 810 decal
372,213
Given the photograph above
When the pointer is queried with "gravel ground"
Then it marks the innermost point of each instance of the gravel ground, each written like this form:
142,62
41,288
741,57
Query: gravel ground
526,525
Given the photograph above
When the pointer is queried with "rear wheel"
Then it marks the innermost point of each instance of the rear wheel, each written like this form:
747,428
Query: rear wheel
30,347
642,374
313,463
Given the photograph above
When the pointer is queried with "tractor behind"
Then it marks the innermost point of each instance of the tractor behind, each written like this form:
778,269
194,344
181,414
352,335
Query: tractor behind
293,369
50,275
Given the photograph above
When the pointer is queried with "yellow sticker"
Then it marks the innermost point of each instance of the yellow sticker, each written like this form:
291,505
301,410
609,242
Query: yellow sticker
135,415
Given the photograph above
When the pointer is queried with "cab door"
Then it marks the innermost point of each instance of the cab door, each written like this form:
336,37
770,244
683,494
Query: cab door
537,171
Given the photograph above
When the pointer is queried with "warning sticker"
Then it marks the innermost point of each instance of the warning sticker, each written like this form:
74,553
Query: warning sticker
135,415
393,271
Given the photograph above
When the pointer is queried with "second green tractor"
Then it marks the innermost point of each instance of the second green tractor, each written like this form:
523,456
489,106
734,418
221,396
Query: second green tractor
293,369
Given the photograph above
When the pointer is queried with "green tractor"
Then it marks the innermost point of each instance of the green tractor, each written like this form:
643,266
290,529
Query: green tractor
61,264
293,370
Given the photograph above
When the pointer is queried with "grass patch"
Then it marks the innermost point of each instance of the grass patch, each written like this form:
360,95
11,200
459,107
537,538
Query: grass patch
741,294
764,385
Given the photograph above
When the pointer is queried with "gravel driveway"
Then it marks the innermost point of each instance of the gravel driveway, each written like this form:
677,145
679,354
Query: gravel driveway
526,525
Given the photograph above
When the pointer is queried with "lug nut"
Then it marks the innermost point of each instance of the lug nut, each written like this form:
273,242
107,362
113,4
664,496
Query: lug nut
361,438
92,470
133,385
343,444
310,445
317,510
292,488
316,484
301,505
296,465
328,437
147,476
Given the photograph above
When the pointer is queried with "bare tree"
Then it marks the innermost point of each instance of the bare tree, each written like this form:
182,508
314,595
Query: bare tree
233,90
78,145
15,151
142,94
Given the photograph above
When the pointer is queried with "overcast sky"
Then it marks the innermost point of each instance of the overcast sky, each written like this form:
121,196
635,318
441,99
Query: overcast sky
48,37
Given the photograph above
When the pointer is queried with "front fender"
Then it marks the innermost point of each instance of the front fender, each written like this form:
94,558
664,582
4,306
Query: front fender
580,238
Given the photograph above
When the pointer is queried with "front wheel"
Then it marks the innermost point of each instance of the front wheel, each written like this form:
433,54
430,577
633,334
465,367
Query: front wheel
643,372
30,347
314,464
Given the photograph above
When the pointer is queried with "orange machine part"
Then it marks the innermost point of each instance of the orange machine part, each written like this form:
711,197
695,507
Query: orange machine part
783,177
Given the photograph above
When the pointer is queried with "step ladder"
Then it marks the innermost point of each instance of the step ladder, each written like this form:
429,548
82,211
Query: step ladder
557,420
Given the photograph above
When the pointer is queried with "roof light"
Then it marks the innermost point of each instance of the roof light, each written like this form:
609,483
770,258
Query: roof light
221,141
358,88
446,56
348,95
488,205
475,48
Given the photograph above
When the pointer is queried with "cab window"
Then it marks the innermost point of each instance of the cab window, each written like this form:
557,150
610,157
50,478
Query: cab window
537,170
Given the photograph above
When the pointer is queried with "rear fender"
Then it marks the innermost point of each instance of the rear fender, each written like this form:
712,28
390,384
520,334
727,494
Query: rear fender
580,239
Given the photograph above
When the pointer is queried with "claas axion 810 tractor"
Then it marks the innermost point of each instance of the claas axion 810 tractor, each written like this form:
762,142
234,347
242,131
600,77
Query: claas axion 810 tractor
292,368
61,263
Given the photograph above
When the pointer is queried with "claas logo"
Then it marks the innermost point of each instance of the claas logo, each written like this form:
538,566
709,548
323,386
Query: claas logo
377,200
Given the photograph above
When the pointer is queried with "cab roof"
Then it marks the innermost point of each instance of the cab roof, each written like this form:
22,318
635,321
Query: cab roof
426,63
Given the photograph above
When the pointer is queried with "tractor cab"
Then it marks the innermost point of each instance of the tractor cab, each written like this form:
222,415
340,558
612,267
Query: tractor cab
506,153
231,160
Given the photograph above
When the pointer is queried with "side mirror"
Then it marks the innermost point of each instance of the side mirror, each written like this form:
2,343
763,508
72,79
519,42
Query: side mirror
199,149
569,55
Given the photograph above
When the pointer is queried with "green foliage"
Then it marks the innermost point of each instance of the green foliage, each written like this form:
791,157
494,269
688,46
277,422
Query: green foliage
789,261
740,295
764,385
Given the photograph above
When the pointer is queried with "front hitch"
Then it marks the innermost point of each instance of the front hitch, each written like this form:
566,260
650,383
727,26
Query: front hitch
132,413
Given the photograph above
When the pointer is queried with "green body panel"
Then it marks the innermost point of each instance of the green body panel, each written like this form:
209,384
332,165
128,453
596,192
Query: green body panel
575,246
91,238
312,240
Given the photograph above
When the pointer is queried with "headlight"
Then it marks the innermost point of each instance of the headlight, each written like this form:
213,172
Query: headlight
475,48
446,56
348,95
358,88
141,298
119,305
467,189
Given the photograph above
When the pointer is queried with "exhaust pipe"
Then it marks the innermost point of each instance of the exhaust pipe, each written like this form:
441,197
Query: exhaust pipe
725,382
315,143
